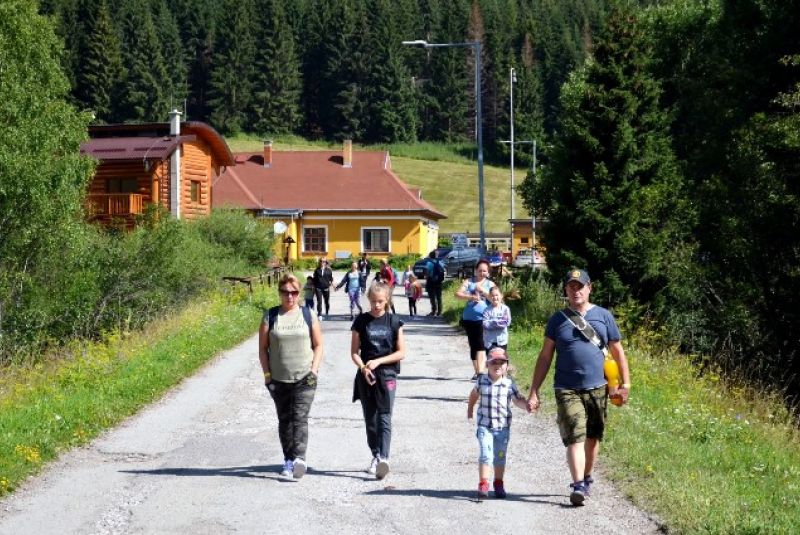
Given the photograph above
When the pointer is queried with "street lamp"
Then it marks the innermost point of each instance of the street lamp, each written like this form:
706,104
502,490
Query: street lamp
477,45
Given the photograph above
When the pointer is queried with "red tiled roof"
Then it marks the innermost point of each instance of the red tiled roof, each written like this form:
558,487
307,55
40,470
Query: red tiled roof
133,148
317,181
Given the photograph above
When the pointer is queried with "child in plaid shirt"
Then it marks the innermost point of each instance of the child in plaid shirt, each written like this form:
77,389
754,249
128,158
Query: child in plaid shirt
494,393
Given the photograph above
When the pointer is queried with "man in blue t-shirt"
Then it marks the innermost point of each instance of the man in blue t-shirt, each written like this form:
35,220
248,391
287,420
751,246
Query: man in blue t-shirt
580,385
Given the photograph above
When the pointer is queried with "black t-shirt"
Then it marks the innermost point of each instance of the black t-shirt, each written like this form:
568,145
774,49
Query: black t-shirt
376,335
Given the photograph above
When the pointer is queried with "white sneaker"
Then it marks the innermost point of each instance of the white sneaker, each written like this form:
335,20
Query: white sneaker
373,466
382,470
288,469
299,468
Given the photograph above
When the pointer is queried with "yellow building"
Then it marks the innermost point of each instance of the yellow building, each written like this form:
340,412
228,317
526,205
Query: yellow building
524,238
336,204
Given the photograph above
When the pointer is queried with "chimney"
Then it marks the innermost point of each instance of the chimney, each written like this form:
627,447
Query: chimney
347,154
175,123
267,153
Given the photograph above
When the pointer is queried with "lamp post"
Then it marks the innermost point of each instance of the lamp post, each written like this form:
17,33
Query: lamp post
477,45
288,240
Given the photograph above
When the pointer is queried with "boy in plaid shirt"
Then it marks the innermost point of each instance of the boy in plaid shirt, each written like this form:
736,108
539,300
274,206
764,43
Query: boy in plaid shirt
494,393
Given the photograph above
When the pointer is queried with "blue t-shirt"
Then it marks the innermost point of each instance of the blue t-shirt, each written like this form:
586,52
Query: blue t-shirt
579,362
474,311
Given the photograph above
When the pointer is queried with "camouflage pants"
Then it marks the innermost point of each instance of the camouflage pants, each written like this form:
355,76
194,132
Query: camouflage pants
581,414
293,403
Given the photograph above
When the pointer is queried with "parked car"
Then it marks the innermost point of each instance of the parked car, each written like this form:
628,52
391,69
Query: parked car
461,262
524,258
495,258
419,266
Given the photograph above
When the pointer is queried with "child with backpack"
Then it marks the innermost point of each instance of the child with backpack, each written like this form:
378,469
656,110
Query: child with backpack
308,292
413,293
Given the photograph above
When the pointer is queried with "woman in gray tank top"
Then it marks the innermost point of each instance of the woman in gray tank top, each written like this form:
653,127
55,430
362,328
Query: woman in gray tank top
290,350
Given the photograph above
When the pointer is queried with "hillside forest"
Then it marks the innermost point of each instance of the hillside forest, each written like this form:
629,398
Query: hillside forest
668,130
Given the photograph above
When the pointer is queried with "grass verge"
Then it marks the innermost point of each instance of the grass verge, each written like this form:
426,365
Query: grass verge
93,386
704,456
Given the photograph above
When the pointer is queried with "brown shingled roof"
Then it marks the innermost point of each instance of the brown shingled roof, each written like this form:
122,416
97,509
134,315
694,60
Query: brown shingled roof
133,148
317,180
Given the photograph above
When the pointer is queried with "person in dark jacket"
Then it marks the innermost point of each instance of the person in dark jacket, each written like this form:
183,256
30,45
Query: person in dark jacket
363,270
323,280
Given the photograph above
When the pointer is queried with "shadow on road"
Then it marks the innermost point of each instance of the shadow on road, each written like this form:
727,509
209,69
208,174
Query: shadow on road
470,495
270,471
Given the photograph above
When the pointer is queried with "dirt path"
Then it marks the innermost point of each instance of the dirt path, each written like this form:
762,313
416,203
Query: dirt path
205,460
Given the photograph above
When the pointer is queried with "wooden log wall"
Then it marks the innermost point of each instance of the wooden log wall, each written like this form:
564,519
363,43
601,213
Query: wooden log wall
197,167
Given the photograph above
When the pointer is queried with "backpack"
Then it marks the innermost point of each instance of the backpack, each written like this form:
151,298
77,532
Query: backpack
273,315
437,274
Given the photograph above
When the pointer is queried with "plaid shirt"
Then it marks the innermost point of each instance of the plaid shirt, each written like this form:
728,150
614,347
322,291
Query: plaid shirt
494,402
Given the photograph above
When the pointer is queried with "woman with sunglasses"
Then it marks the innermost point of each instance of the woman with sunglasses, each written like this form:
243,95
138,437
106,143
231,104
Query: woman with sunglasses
290,351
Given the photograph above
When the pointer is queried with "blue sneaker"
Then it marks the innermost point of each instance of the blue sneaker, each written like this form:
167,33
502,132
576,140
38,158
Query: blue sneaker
578,494
288,469
587,483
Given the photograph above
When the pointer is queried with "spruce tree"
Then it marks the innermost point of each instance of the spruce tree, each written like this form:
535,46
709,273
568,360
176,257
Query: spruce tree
233,68
392,108
144,98
177,84
613,186
278,84
100,74
312,54
447,79
345,72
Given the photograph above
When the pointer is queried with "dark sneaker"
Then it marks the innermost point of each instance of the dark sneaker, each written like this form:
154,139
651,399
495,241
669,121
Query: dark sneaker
382,470
483,489
499,489
578,494
587,482
299,468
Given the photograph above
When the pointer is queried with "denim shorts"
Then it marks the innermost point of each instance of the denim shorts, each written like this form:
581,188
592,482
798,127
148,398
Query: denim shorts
493,445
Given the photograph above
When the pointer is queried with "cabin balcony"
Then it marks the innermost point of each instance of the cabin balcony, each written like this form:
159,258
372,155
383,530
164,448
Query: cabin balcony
110,205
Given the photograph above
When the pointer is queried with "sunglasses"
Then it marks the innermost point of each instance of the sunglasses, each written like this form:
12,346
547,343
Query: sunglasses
293,293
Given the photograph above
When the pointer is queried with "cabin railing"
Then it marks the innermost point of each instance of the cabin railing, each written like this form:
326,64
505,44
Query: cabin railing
115,204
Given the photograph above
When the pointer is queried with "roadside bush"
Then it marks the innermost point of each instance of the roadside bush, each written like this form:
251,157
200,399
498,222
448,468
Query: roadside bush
537,301
238,235
104,280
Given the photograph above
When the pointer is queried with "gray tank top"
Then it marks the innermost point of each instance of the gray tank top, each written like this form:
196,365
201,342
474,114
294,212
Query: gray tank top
290,353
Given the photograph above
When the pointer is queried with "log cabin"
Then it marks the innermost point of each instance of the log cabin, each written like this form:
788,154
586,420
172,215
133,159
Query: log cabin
169,164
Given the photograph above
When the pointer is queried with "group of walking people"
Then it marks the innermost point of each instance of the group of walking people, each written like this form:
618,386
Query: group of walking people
291,350
577,338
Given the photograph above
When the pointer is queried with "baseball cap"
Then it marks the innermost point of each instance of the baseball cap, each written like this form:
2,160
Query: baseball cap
577,275
497,353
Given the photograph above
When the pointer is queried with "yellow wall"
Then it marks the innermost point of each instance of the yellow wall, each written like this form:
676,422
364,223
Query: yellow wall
407,233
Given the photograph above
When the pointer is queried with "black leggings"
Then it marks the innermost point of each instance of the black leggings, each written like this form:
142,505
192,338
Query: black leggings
323,294
474,331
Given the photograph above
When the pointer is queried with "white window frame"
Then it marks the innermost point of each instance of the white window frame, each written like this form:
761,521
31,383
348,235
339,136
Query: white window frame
305,248
371,227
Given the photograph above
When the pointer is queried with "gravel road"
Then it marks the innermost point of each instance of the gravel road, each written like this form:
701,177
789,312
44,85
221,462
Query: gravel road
205,459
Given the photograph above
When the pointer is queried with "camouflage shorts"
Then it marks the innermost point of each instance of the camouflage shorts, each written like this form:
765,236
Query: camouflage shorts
581,414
